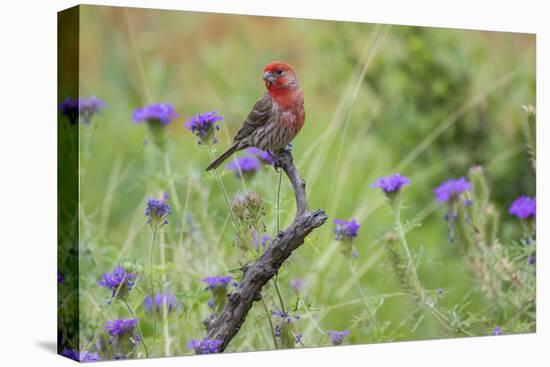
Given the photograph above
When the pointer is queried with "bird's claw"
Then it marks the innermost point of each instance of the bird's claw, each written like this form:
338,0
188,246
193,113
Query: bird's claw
276,161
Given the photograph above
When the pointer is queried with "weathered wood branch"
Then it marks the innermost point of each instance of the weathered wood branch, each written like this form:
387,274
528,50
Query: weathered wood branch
227,323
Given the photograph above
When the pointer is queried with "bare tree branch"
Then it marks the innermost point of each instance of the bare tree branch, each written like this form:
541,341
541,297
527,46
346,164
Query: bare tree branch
227,323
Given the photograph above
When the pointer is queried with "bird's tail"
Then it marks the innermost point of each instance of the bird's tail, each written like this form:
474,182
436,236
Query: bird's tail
223,157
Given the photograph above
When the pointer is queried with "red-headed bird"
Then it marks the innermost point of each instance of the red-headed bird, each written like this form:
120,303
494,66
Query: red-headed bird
276,118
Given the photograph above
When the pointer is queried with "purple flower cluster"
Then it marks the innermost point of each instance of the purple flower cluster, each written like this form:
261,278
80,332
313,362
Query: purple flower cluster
524,207
217,281
393,183
497,331
157,211
204,125
60,278
284,329
450,190
161,300
346,230
244,166
337,337
119,281
75,355
161,113
84,107
262,155
120,326
205,346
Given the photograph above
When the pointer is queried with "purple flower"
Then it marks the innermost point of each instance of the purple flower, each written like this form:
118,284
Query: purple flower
124,339
532,259
120,326
84,107
60,279
451,189
497,331
217,281
261,242
297,284
89,107
244,165
393,183
284,328
285,316
204,126
80,356
162,300
157,211
262,155
337,337
205,346
298,338
69,108
346,230
159,114
119,281
524,207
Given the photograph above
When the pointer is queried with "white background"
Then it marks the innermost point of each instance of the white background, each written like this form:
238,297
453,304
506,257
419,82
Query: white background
28,181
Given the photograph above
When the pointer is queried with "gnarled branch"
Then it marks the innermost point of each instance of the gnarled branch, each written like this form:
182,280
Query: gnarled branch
227,323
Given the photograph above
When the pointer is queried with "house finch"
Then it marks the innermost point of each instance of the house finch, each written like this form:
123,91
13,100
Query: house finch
276,118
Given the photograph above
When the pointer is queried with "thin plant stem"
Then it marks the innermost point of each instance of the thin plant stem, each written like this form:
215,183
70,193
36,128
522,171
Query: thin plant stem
277,209
113,298
403,239
171,184
268,316
278,293
141,338
224,193
362,293
165,329
151,256
278,202
411,267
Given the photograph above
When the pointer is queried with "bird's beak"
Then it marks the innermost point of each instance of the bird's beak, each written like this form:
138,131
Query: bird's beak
268,77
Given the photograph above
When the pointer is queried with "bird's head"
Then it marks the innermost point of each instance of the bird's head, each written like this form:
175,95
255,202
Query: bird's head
278,75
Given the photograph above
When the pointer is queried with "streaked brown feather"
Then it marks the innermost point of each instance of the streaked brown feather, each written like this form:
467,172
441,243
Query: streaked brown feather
257,117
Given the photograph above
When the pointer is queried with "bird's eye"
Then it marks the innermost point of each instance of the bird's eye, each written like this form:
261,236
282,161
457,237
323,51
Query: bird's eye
278,72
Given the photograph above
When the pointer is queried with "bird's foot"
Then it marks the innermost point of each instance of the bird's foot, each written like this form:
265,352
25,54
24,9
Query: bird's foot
276,160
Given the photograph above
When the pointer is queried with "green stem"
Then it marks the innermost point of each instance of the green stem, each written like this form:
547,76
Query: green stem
142,339
277,208
410,261
278,201
171,184
225,196
362,293
411,267
278,293
113,298
152,283
268,315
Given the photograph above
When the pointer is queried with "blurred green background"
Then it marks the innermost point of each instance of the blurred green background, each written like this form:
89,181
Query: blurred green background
426,102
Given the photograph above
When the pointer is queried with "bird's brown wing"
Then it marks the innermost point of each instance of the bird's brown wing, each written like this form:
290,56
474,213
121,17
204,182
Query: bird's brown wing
257,117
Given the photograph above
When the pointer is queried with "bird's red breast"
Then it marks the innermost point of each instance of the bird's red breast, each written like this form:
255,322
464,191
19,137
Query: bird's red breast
283,86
